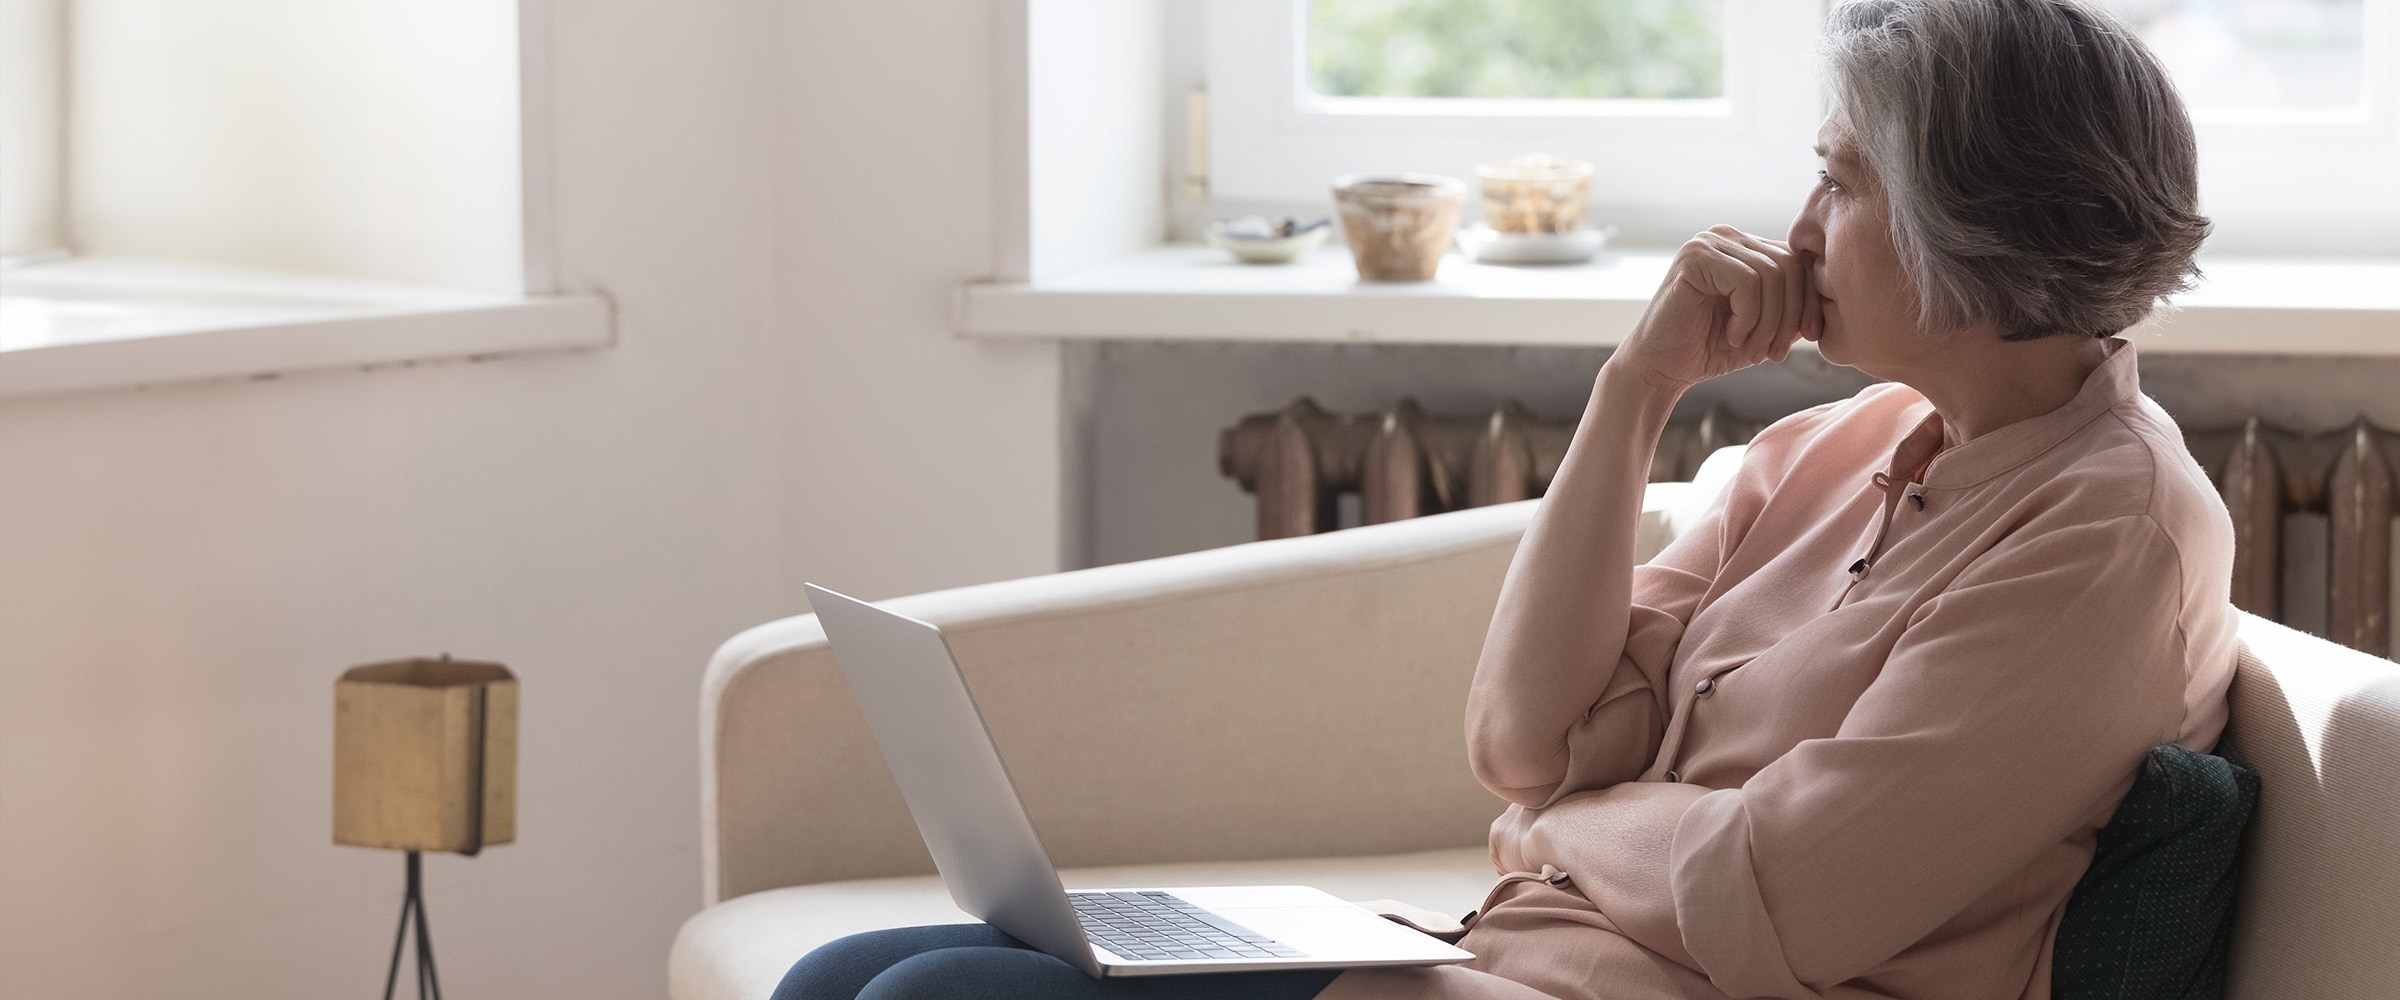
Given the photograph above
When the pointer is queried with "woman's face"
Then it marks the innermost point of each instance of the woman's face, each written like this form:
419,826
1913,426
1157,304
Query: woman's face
1870,303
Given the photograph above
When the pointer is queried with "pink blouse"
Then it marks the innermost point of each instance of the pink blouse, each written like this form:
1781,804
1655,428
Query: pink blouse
1882,699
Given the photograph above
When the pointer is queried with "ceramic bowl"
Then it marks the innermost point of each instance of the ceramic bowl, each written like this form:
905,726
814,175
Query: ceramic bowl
1398,225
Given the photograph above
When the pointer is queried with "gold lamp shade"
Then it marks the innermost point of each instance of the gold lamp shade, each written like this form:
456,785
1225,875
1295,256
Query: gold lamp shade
425,756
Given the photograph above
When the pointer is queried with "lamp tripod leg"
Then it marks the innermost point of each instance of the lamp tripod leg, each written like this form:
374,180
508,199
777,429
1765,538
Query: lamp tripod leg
426,979
412,907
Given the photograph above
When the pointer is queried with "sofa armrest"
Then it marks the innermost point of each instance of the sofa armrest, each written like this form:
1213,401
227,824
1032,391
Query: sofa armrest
2321,868
1293,698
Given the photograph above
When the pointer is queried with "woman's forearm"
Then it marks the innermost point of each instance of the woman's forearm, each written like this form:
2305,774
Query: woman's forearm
1730,300
1561,623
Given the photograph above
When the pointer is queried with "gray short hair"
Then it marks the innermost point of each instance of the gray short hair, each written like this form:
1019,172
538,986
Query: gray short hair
2039,165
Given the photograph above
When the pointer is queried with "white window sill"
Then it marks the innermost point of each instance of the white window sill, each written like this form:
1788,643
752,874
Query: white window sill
1195,293
93,323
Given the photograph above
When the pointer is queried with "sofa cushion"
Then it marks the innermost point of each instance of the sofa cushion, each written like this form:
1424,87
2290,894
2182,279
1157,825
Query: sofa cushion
740,948
2152,918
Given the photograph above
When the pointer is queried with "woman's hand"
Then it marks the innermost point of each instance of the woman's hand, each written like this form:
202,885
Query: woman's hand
1731,300
1615,845
1511,834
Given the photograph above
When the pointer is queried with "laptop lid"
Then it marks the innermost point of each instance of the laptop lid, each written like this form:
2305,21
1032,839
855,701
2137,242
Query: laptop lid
941,755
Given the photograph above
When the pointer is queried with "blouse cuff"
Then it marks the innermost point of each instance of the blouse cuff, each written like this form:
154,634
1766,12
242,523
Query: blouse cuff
1724,918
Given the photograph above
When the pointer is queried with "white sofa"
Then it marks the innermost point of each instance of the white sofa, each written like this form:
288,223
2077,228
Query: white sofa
1289,711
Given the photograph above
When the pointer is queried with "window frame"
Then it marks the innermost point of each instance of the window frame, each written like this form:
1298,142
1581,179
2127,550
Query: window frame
32,131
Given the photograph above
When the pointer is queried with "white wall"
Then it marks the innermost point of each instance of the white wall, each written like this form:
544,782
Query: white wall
920,459
184,570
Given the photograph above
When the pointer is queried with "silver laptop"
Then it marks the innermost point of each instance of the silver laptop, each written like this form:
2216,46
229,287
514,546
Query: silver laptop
934,740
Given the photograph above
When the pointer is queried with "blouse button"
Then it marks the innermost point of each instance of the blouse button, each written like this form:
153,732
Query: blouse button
1674,776
1706,686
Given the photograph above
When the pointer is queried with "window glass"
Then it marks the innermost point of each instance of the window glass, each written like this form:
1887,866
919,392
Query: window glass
1517,49
2250,56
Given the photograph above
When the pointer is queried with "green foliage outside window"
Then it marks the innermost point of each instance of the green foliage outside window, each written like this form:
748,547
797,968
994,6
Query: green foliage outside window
1649,49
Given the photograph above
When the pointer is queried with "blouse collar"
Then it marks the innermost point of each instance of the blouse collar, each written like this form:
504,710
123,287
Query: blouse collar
2116,381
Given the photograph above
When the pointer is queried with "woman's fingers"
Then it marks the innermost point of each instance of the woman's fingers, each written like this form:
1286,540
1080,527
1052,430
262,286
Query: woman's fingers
1800,293
1769,279
1762,274
1783,344
1798,290
1725,275
1756,297
1791,273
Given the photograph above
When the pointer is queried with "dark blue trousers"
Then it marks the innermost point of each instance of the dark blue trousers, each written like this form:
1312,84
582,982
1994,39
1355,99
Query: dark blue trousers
977,962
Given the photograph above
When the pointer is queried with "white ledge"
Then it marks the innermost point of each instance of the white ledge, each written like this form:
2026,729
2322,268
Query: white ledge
1194,293
111,323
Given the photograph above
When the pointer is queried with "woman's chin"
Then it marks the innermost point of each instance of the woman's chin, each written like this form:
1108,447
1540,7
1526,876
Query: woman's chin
1829,341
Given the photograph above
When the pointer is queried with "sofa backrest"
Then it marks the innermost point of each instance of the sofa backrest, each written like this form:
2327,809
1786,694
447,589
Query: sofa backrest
1293,698
1284,699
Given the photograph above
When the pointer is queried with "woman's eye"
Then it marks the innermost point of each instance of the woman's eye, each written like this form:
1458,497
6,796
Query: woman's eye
1826,180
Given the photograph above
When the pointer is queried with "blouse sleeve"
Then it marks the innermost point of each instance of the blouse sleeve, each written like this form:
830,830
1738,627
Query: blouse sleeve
1619,734
2009,713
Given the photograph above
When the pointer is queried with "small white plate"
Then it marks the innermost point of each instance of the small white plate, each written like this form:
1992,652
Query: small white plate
1268,249
1489,246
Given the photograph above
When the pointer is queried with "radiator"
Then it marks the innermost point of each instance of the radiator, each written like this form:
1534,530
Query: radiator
2268,474
1301,462
1403,462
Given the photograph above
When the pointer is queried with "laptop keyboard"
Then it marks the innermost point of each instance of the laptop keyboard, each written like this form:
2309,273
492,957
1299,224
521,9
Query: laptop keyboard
1158,925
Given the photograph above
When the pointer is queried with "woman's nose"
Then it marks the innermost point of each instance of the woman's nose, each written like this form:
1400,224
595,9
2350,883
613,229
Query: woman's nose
1808,231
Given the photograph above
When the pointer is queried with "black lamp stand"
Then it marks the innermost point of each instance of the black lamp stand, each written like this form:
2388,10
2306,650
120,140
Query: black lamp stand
429,986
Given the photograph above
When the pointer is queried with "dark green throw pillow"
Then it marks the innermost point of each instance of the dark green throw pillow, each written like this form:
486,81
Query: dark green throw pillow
2153,918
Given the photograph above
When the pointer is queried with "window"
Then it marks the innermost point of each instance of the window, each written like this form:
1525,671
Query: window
371,138
2298,111
368,138
2261,60
1515,50
1694,111
1703,111
263,186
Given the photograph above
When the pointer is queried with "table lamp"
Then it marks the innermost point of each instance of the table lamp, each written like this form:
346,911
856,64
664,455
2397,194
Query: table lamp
424,759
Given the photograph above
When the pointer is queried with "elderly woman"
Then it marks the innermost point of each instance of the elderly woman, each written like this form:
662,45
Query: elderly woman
1852,736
